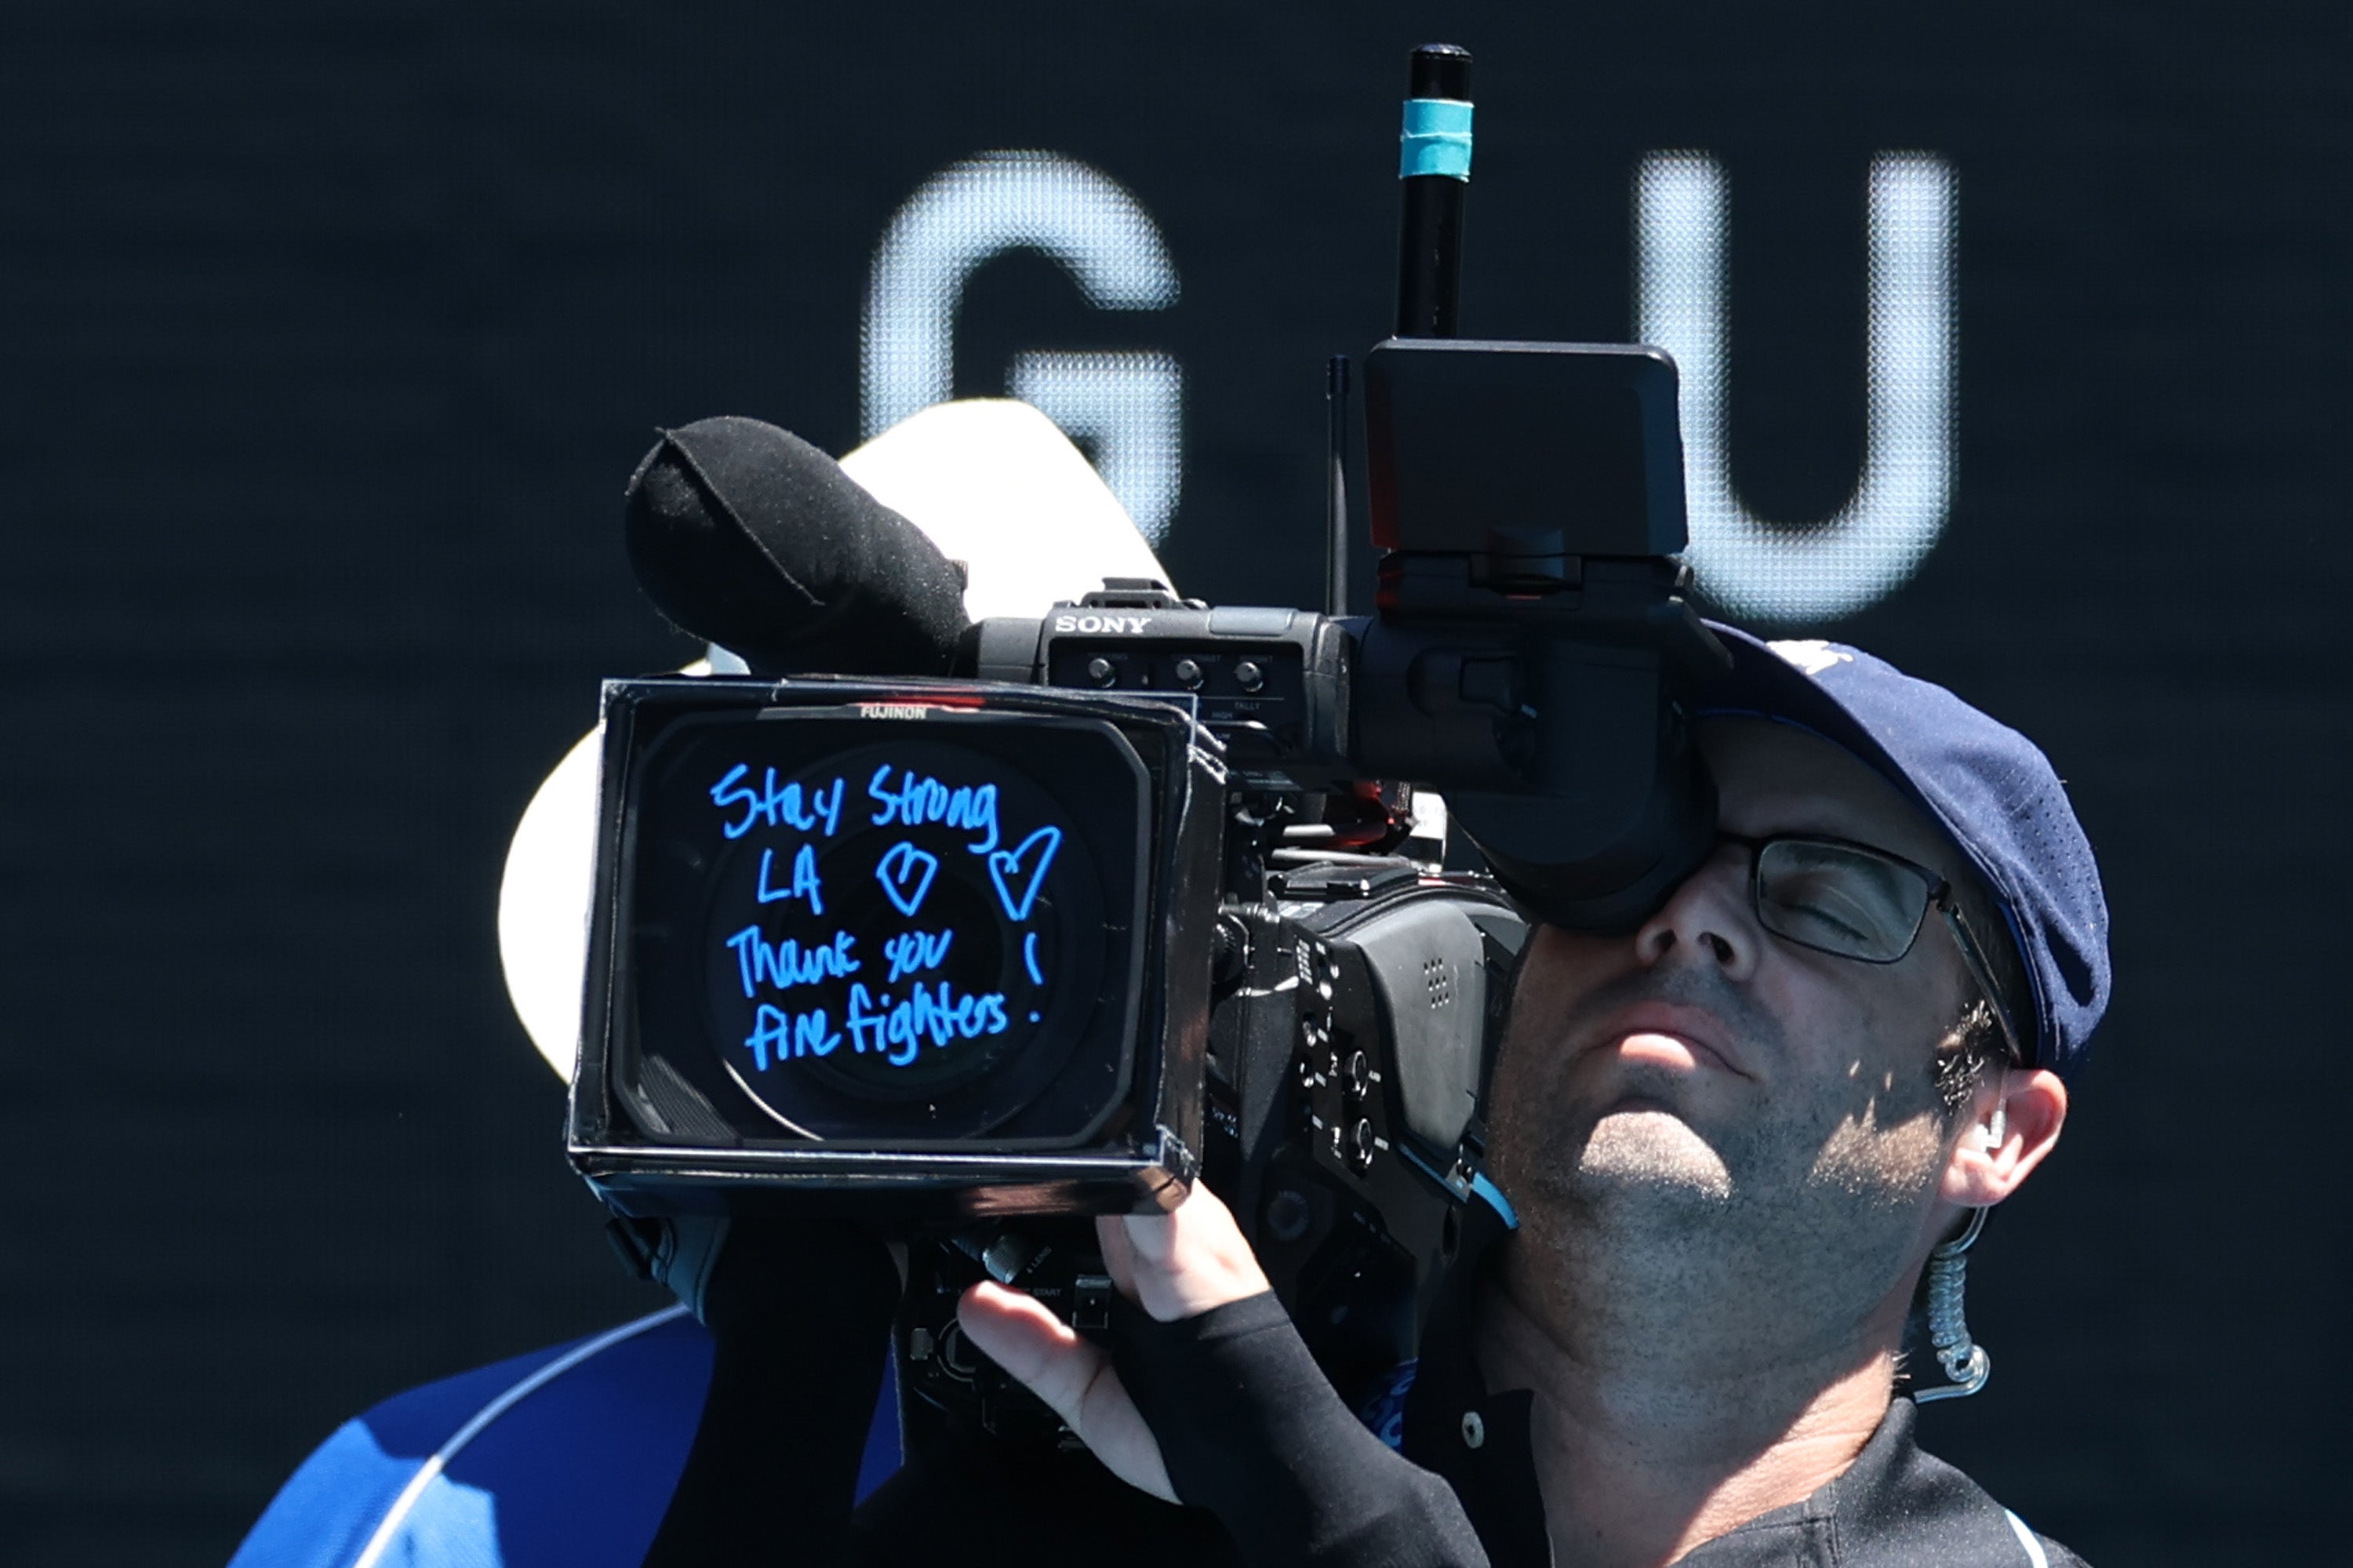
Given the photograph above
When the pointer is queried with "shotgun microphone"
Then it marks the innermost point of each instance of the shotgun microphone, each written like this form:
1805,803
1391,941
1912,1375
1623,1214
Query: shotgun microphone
747,536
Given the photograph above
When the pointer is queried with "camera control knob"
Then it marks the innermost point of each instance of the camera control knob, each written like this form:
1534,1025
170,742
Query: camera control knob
1288,1215
1249,676
1008,1256
1360,1075
956,1356
1230,951
1360,1144
1188,673
1102,671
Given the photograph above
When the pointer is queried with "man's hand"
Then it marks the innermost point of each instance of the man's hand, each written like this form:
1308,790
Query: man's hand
1173,1265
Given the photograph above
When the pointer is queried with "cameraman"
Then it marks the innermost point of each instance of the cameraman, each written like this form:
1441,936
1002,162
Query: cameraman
1735,1139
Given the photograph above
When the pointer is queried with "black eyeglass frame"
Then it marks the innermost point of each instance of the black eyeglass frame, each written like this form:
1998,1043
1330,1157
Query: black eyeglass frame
1938,893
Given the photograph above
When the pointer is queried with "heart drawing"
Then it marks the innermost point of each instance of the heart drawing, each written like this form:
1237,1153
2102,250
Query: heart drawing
905,874
1005,869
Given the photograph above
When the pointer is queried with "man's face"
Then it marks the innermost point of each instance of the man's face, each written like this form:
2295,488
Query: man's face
1718,1106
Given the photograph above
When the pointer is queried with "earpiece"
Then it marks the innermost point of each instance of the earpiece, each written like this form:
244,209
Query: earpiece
1996,1129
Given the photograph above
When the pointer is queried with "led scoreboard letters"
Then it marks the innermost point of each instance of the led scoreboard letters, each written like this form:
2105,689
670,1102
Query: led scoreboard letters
1129,404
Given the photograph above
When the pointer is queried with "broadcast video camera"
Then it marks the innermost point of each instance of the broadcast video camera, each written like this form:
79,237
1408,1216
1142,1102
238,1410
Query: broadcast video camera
985,928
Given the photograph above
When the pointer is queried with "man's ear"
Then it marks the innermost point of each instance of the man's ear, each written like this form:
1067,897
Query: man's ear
2016,1120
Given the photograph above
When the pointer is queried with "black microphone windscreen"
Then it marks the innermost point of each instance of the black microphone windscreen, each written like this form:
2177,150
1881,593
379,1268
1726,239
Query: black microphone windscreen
748,537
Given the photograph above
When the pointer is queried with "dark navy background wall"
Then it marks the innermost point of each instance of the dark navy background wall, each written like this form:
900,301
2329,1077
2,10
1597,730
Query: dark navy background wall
328,336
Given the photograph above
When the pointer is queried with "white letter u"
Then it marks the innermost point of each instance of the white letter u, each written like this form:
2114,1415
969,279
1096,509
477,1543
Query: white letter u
1814,571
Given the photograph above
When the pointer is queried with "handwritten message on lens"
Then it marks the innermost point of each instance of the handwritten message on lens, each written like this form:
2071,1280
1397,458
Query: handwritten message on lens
887,917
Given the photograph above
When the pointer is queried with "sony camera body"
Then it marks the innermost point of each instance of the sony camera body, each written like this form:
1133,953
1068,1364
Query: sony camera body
998,926
1134,893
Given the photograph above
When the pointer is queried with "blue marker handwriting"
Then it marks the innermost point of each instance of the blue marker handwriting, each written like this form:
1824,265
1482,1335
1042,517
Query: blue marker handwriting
1018,885
804,884
789,1034
896,1031
785,964
770,806
1029,957
911,952
905,874
915,799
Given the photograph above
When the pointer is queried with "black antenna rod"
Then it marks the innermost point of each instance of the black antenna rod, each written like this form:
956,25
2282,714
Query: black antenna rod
1434,167
1335,493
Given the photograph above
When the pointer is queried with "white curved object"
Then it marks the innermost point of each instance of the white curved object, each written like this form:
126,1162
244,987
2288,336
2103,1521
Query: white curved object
995,485
998,486
544,905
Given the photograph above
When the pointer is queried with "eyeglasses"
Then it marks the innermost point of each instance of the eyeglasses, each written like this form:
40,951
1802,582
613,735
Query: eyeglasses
1852,901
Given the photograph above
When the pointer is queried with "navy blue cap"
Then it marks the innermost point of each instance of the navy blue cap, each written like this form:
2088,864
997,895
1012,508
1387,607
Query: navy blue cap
1989,788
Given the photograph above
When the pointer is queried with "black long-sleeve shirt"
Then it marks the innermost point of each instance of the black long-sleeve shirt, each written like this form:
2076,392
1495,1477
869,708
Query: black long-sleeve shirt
1282,1474
1275,1470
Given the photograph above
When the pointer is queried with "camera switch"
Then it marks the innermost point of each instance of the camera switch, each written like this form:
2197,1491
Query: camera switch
1091,1301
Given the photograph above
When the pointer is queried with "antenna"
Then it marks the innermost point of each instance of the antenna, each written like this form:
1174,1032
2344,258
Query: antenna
1434,167
1335,493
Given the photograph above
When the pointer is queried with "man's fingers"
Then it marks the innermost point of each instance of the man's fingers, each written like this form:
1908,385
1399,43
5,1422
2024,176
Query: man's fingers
1072,1376
1152,1238
1025,1338
1119,1258
1188,1261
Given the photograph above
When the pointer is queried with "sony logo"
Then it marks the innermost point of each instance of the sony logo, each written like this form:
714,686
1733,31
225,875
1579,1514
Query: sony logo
1124,624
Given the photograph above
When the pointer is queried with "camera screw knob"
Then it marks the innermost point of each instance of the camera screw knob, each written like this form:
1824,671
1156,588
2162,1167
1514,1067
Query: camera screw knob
1102,671
1289,1214
1249,677
1188,673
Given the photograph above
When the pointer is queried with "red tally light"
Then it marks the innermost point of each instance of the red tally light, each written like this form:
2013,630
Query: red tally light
914,704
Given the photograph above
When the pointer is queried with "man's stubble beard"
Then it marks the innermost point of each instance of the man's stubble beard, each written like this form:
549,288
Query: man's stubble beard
1783,1227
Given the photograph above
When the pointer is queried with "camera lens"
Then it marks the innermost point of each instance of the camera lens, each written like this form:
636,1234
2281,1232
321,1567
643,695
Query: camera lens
890,924
911,938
